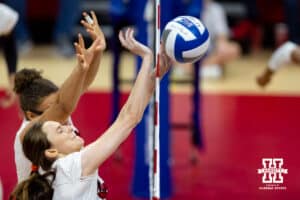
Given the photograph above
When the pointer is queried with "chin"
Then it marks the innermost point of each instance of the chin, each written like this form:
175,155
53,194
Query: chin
81,141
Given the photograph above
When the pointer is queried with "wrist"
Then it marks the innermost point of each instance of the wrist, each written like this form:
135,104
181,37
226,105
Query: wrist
148,56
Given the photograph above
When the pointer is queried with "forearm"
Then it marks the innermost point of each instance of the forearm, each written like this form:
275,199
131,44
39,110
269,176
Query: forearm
71,89
93,70
142,90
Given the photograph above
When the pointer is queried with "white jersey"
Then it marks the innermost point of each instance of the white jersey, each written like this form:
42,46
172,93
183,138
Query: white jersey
69,184
23,165
9,18
282,56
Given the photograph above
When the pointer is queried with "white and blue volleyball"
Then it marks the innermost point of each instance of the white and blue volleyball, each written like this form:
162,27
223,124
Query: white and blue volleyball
185,39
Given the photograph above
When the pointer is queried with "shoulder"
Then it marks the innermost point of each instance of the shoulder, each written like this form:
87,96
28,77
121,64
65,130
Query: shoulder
69,166
68,160
20,132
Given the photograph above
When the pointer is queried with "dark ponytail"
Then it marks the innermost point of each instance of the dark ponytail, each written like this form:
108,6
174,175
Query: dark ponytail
37,186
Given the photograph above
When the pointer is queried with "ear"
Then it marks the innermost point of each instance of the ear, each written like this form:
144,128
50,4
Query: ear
30,115
51,153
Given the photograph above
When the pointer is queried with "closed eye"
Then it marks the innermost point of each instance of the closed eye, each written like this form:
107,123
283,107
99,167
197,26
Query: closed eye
59,129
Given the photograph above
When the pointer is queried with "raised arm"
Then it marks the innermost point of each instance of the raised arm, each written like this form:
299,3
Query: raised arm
92,27
70,91
132,111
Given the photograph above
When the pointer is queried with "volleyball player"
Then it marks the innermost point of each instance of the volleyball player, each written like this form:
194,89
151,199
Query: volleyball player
287,53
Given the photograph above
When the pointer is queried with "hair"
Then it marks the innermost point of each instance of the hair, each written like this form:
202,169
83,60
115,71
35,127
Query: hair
37,186
32,88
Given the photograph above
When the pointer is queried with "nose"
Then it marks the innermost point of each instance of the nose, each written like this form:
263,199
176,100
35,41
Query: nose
70,128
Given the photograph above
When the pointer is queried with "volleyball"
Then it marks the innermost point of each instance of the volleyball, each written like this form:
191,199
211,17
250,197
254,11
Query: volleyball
185,39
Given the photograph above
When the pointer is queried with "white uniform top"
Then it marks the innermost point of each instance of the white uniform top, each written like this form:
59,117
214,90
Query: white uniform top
282,56
69,184
23,165
214,18
9,18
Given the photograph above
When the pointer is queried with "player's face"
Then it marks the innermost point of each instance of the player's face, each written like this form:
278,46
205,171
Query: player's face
62,137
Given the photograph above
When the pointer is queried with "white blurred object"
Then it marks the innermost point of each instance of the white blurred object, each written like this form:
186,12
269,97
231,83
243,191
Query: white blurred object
215,19
148,13
88,19
8,17
282,55
213,71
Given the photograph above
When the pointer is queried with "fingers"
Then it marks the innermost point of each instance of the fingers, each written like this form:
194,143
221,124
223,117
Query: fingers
91,21
89,28
81,41
78,48
131,37
128,41
86,25
126,38
122,38
79,54
94,17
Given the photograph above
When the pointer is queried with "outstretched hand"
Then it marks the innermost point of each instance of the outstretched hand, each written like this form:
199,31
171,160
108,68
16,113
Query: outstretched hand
91,25
128,41
85,56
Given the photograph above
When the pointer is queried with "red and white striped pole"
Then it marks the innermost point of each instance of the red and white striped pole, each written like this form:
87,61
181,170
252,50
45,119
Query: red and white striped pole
156,147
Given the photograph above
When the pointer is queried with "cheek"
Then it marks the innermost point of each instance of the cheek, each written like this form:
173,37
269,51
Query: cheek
60,143
73,145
